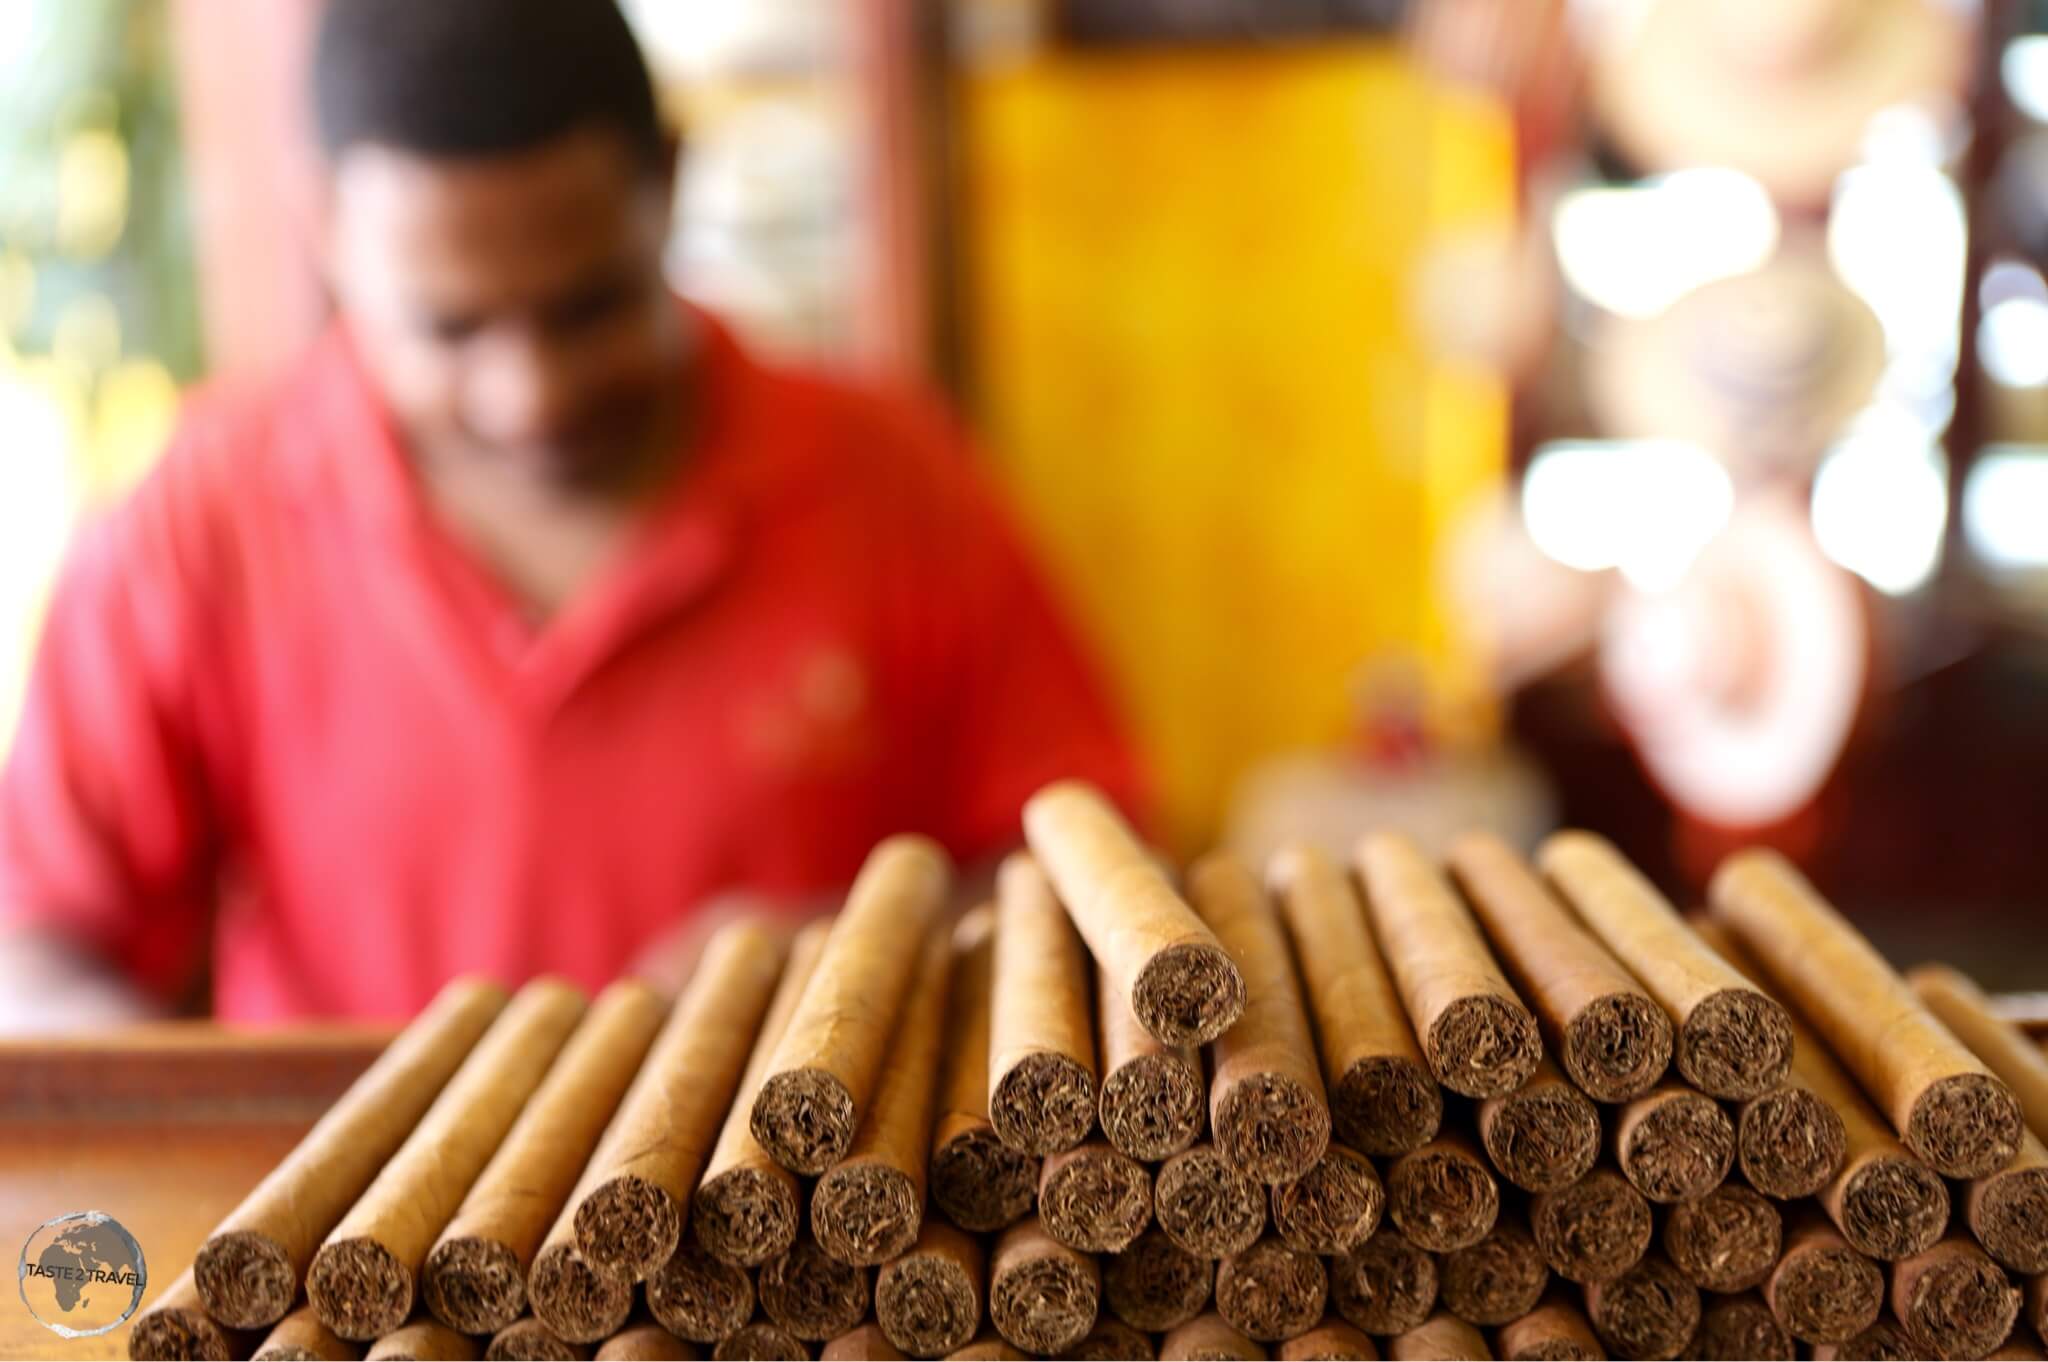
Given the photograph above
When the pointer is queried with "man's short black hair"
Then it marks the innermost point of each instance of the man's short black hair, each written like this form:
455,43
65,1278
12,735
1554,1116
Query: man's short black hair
477,77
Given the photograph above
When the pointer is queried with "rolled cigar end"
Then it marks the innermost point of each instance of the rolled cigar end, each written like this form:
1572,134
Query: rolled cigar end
2035,1304
1953,1300
2008,1212
1043,1103
1823,1291
1270,1291
1386,1105
988,1346
1271,1127
1042,1295
1727,1240
1675,1144
573,1299
1209,1337
1967,1125
1442,1197
246,1279
425,1340
1598,1227
1095,1198
1891,1208
1649,1311
1155,1284
301,1337
627,1227
865,1213
980,1183
1498,1279
1555,1331
745,1215
811,1294
1111,1340
1384,1286
762,1342
929,1304
1206,1205
1151,1106
1188,994
697,1297
1483,1045
1736,1043
530,1340
1617,1046
474,1285
1883,1341
1544,1136
1741,1327
645,1343
1789,1143
1331,1340
1443,1337
359,1289
1334,1207
186,1334
805,1119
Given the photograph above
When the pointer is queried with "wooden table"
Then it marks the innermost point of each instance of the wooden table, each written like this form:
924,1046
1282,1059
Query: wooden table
164,1127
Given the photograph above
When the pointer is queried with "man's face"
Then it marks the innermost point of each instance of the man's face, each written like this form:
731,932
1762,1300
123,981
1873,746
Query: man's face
512,307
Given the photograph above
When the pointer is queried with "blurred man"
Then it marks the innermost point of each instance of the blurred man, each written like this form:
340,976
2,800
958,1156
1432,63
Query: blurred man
531,615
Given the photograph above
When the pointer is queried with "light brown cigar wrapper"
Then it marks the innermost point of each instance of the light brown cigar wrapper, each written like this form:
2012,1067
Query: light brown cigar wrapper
1383,1097
1152,1097
424,1339
2005,1049
988,1346
250,1268
1732,1039
1042,1296
977,1181
1555,1328
1478,1037
866,1342
829,1060
1267,1108
1822,1290
1041,1061
1148,940
746,1208
1927,1306
364,1279
930,1299
301,1334
1207,1335
1581,995
866,1209
176,1325
499,1226
630,1219
1945,1104
1440,1338
645,1343
529,1337
1331,1338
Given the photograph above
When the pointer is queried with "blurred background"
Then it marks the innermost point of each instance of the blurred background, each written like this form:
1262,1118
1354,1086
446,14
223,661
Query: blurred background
1631,413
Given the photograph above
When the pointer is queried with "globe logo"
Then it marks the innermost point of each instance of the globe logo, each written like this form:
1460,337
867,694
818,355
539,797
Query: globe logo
82,1274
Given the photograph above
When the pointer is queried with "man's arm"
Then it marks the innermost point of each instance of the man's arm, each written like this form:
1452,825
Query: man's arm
49,984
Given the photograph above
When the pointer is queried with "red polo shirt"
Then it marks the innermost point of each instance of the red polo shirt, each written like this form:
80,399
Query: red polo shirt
278,706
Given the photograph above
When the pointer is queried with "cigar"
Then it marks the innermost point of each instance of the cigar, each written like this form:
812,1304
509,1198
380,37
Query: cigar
571,1300
1042,1295
698,1297
1947,1107
1544,1135
647,1343
1673,1143
825,1068
1732,1039
1112,1339
1822,1290
1555,1331
629,1213
249,1270
1741,1327
1207,1206
363,1279
1156,951
977,1182
1478,1037
928,1302
530,1340
1095,1199
2034,1302
1952,1300
762,1341
811,1294
1495,1281
2019,1348
1332,1339
1726,1241
1383,1097
1041,1061
745,1210
475,1275
426,1340
865,1344
988,1346
1442,1337
1649,1311
2008,1210
1610,1035
301,1337
1267,1107
1441,1195
178,1327
1208,1336
1883,1341
866,1209
1271,1292
1334,1207
1155,1284
1384,1286
1599,1227
1152,1095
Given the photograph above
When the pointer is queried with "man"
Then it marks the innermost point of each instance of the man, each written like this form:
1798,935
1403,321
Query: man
530,615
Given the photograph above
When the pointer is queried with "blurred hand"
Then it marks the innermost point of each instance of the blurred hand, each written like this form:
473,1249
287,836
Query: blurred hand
50,987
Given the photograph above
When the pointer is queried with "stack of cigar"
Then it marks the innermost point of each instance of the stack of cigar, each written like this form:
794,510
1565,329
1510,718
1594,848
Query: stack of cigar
1487,1107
